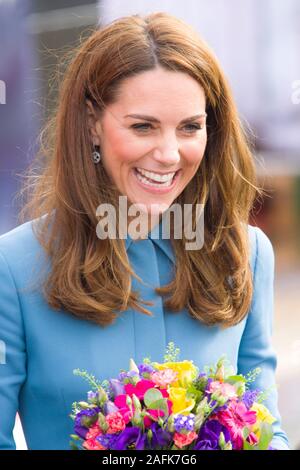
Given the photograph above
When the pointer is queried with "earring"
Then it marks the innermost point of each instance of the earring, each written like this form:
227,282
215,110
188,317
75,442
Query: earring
96,157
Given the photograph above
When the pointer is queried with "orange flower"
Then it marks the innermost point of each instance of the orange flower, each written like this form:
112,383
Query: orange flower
115,422
92,444
93,432
182,440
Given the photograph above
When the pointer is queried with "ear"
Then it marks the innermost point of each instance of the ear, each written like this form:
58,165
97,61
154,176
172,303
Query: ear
93,122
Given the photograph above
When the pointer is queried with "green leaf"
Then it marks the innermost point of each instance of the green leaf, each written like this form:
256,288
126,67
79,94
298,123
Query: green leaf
252,375
91,379
73,446
266,436
172,353
247,446
160,405
152,395
246,432
233,379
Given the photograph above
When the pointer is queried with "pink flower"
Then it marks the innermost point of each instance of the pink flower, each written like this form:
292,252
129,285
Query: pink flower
252,439
120,402
226,390
235,418
165,377
116,422
155,413
140,388
181,440
92,444
93,432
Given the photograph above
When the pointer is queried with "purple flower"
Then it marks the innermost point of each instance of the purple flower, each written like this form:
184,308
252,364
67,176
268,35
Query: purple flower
205,444
81,431
145,368
184,422
132,373
201,381
160,437
92,395
134,435
131,435
122,376
202,374
90,412
109,407
81,420
107,440
117,387
209,436
218,408
249,397
126,375
209,381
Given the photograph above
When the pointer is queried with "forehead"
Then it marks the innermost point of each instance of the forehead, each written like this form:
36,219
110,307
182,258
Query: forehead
160,89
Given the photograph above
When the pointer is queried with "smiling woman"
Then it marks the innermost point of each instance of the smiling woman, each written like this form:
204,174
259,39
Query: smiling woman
153,161
149,95
145,113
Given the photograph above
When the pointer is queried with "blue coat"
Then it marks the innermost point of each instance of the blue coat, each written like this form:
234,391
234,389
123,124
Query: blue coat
40,346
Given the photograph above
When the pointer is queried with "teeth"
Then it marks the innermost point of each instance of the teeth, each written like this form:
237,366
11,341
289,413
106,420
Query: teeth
156,176
148,182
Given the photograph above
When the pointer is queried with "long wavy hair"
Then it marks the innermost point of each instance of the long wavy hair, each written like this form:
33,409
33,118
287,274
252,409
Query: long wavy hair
91,278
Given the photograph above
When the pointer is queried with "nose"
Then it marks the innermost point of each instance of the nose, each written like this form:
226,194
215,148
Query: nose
167,154
167,158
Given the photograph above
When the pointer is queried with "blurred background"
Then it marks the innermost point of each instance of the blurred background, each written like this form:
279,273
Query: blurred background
257,43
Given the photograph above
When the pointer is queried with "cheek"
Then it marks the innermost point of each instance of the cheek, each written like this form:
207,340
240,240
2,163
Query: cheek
126,149
194,151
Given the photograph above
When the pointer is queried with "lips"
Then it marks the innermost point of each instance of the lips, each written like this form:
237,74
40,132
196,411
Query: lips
154,176
154,186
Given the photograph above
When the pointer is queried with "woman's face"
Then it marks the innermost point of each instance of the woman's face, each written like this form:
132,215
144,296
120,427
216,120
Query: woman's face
152,140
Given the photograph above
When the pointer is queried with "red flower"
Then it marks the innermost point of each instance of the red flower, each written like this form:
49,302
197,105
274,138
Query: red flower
140,388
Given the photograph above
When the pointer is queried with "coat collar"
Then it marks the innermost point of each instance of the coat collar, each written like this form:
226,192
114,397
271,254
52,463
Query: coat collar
156,236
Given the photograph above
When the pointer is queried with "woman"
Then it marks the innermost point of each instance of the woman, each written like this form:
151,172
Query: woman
71,298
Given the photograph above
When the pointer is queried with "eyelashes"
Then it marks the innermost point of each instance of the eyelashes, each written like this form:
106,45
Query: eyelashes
145,126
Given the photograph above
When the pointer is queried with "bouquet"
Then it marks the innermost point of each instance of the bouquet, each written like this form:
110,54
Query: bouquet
172,406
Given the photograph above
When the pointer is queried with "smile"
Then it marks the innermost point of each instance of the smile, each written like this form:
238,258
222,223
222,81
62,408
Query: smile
155,181
156,177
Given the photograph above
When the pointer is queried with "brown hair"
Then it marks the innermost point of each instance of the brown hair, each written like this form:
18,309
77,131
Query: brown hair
91,278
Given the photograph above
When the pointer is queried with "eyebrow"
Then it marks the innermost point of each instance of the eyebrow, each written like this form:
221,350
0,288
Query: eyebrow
153,119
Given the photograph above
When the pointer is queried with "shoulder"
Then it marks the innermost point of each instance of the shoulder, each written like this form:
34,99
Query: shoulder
262,252
20,250
19,240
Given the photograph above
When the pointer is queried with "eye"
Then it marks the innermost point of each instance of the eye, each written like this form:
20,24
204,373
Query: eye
145,126
141,126
194,127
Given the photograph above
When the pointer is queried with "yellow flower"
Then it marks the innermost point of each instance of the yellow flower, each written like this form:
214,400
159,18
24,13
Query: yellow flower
181,404
263,415
187,371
